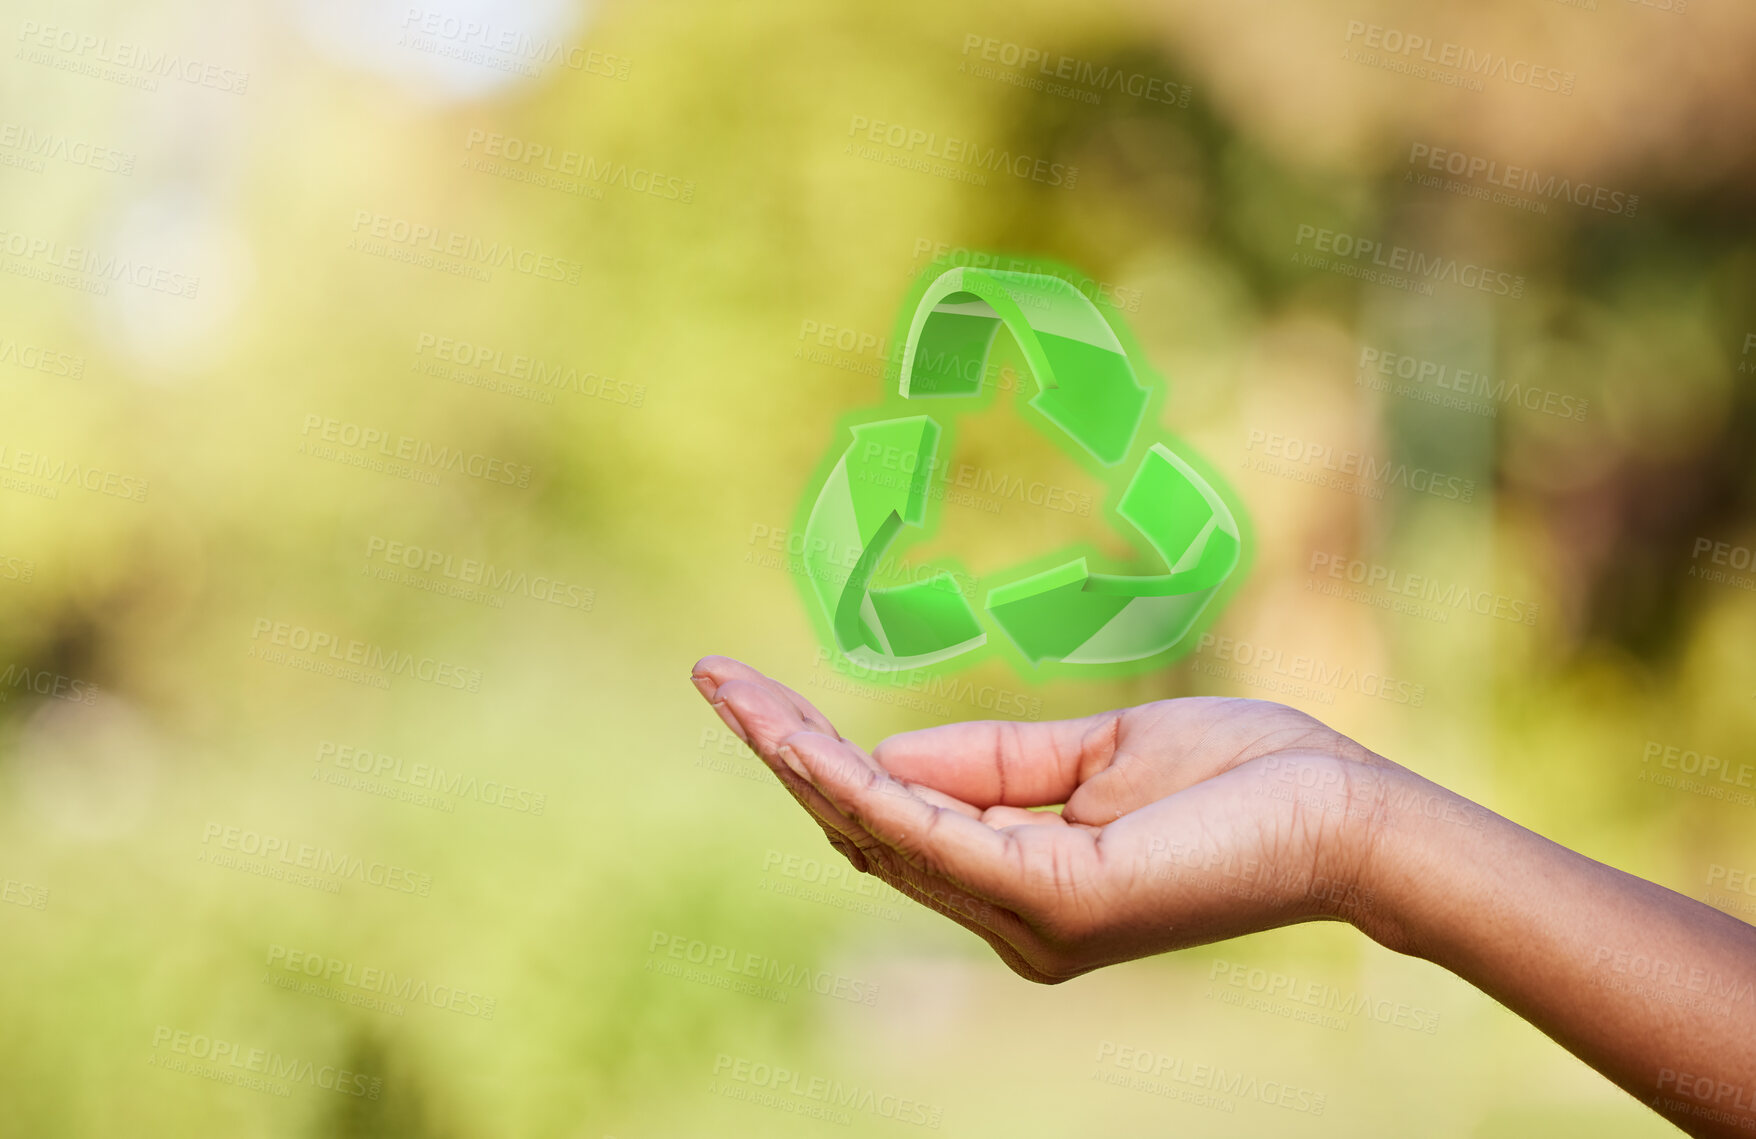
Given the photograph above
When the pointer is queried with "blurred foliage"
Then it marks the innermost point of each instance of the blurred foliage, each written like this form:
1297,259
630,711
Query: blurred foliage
658,513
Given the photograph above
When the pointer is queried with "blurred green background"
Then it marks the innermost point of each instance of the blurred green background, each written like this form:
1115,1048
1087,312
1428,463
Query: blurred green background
399,397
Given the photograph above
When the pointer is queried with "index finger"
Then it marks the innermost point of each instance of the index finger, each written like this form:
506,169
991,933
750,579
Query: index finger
713,672
935,840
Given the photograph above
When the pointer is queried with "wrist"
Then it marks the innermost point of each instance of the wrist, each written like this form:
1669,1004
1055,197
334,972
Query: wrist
1411,836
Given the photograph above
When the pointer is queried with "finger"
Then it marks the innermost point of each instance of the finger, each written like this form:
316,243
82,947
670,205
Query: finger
1011,936
763,715
1009,763
1005,934
850,852
1170,745
940,799
745,699
769,717
1000,817
937,840
713,672
764,709
761,719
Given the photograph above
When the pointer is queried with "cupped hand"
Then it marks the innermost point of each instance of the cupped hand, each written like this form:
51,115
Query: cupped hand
1182,821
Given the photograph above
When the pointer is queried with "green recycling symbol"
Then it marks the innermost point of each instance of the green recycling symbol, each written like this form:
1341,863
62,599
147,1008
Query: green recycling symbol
1087,388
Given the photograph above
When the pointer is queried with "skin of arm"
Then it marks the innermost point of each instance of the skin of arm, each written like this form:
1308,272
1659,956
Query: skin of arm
1189,821
1653,989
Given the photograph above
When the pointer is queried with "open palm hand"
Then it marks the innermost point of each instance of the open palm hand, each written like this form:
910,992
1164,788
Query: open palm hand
1182,821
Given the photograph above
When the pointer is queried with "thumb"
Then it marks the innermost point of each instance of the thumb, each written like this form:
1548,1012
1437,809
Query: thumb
1165,747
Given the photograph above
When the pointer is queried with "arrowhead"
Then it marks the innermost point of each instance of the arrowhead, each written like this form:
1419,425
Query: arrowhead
1088,388
878,487
1091,394
1185,520
1050,615
1070,614
889,467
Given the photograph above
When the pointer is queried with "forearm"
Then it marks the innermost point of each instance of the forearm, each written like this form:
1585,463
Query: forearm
1654,990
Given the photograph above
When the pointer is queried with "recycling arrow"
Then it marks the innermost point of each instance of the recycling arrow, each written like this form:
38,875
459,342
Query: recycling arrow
880,484
1088,385
1072,615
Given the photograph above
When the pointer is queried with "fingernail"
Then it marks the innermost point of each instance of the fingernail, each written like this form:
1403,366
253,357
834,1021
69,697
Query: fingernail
791,758
725,714
703,684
